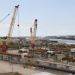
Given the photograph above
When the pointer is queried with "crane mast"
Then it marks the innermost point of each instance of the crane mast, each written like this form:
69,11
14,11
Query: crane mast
33,33
12,21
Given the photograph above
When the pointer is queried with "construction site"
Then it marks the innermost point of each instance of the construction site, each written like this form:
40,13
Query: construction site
34,56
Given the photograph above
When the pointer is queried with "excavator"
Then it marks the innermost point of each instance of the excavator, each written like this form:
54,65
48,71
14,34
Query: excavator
4,46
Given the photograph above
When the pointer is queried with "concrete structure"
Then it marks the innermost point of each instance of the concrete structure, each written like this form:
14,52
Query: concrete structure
8,67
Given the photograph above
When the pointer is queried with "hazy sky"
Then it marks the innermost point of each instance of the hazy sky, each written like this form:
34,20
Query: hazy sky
55,17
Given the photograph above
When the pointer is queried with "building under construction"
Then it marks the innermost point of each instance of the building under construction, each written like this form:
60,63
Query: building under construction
49,55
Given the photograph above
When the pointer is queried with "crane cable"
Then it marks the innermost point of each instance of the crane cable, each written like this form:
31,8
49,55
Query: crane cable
4,18
18,33
18,22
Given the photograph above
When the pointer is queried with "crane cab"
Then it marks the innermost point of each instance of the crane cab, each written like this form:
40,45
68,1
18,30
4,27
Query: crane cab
3,47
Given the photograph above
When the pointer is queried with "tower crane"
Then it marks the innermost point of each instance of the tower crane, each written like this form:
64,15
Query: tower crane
33,31
12,22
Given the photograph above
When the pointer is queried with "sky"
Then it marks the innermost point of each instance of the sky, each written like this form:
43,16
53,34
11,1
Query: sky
55,17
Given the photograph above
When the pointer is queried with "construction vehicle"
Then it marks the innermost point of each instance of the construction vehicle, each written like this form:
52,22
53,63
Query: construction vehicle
5,42
33,34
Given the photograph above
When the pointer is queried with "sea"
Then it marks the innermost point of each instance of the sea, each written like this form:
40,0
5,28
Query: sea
64,41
